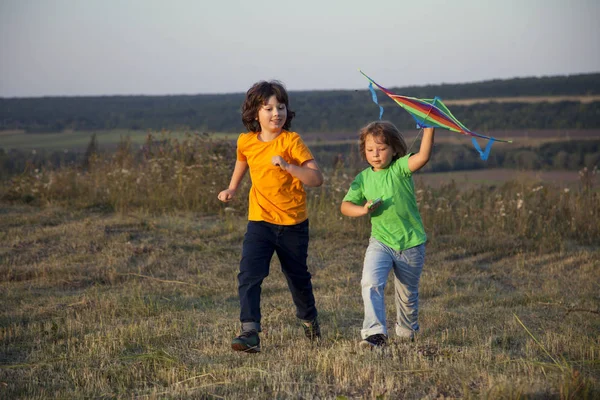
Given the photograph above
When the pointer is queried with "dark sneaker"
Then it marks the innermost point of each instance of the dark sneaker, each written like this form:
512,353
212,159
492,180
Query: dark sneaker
312,330
378,340
248,341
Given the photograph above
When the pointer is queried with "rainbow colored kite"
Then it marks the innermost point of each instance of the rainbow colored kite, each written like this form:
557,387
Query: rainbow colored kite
432,113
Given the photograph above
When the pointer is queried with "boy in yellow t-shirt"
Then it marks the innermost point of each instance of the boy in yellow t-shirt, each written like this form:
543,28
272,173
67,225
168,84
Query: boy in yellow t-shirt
280,165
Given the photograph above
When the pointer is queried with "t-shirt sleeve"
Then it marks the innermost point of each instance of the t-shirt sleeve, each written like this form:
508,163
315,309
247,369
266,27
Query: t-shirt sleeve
240,148
355,194
299,151
401,166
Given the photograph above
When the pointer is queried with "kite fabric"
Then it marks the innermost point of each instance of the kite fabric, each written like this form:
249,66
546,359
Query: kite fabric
432,113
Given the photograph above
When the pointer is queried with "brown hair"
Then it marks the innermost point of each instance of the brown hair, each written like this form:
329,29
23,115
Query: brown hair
383,132
257,96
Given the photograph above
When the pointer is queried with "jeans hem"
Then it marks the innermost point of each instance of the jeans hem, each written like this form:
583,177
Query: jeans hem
405,333
248,326
365,333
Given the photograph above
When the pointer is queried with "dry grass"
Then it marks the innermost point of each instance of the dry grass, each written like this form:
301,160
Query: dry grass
499,176
142,302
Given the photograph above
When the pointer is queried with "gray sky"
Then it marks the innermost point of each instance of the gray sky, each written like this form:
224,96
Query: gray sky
103,47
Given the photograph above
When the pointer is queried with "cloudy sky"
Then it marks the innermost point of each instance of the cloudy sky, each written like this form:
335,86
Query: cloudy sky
104,47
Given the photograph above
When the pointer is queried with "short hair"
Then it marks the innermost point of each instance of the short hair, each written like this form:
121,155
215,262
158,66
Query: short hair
257,96
383,132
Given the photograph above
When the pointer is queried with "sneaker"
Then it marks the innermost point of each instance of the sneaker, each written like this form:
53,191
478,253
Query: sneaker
312,330
248,341
378,340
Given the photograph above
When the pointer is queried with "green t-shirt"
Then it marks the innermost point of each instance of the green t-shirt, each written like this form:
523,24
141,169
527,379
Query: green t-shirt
396,222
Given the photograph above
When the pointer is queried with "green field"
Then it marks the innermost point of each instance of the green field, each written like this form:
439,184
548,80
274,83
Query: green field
79,140
119,281
121,306
499,176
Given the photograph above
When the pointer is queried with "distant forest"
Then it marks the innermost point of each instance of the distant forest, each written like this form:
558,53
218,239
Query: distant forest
339,111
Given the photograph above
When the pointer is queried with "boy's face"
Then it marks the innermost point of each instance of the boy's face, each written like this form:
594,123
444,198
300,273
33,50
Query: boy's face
378,154
272,115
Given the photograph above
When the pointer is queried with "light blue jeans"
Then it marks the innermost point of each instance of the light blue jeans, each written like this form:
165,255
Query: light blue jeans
407,266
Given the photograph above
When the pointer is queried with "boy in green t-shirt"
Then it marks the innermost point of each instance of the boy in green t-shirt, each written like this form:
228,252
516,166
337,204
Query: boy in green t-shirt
397,235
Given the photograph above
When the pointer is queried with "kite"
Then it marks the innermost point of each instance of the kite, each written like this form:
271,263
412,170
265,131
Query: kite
432,113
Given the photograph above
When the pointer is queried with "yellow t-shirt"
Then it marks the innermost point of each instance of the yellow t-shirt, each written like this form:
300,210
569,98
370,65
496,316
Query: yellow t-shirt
275,196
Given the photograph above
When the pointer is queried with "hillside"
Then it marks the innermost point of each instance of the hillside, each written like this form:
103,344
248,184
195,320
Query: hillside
120,282
563,102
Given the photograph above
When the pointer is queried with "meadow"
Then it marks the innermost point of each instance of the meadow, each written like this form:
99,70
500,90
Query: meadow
79,140
119,281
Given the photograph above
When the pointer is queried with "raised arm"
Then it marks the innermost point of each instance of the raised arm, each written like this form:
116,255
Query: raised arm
308,173
418,160
238,173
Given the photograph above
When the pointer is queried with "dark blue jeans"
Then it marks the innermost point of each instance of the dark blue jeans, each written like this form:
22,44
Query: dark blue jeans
262,239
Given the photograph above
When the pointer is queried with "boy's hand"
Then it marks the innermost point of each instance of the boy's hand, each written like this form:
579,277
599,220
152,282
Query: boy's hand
226,195
372,205
280,162
356,210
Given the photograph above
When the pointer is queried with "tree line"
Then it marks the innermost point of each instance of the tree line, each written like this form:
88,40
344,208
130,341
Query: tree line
332,111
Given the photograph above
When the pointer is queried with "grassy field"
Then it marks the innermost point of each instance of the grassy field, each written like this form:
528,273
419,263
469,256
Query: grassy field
79,140
102,305
499,176
120,282
520,138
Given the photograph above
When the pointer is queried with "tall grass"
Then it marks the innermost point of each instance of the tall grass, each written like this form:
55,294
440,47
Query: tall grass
141,302
173,175
161,175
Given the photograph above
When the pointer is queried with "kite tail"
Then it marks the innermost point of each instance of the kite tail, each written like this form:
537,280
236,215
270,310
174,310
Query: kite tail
485,153
374,95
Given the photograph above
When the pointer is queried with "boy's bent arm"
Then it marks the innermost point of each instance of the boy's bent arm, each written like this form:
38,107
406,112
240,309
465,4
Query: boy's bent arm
236,177
350,209
238,173
418,160
308,173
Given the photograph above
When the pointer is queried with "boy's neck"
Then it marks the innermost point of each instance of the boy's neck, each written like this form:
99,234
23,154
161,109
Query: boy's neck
267,136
